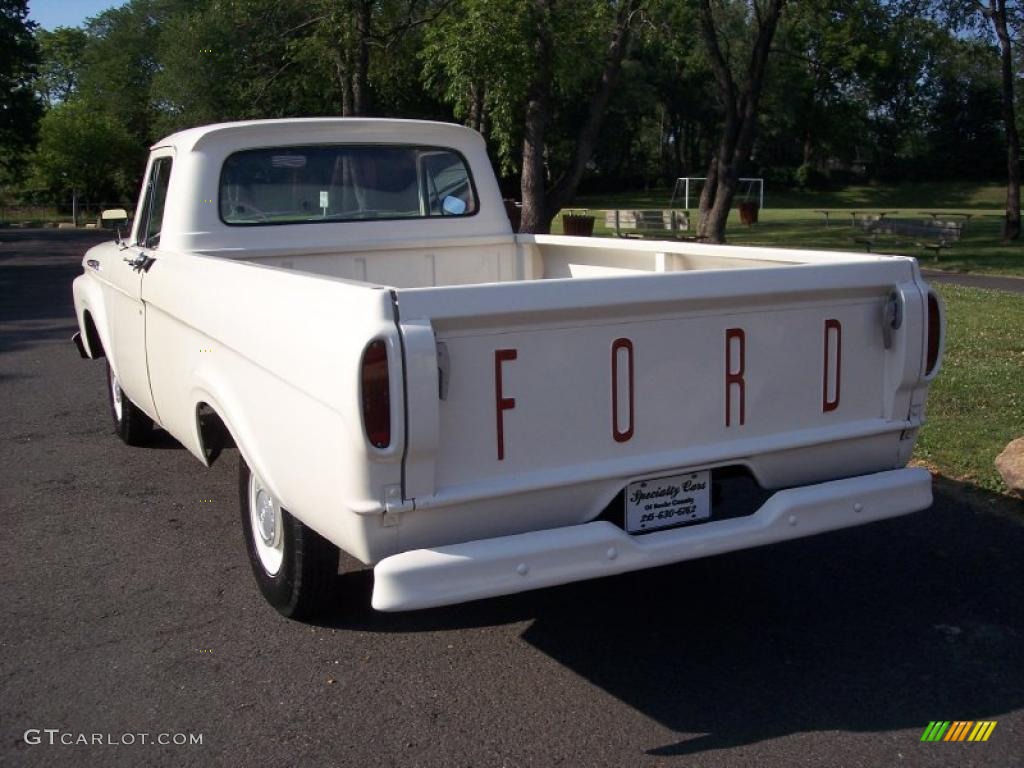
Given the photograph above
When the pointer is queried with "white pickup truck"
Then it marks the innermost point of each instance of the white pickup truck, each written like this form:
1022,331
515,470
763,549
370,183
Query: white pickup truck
476,412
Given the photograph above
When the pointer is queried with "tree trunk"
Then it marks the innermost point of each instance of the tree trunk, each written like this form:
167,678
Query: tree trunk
563,191
996,13
664,139
682,137
535,217
707,197
541,203
476,107
361,96
741,105
341,71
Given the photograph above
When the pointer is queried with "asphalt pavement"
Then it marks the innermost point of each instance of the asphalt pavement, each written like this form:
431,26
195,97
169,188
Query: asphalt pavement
990,282
128,608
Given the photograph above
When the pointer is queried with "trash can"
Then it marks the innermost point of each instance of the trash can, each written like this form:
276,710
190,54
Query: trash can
748,212
577,224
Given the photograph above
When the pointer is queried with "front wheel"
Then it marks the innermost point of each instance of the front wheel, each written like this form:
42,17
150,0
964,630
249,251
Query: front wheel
130,424
295,567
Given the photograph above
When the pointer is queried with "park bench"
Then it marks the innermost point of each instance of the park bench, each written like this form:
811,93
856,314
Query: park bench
930,235
648,223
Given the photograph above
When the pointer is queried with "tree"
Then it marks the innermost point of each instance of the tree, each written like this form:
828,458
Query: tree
542,103
813,110
348,24
61,54
239,60
19,108
474,57
364,42
677,70
244,59
85,150
739,102
907,45
119,63
964,121
996,12
543,199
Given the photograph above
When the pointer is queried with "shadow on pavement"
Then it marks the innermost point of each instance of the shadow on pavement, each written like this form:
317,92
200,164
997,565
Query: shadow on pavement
882,627
37,267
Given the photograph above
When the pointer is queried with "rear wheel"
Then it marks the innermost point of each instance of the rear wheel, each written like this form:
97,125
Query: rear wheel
130,424
295,567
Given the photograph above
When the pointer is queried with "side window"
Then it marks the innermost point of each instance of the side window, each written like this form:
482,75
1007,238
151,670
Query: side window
152,219
448,192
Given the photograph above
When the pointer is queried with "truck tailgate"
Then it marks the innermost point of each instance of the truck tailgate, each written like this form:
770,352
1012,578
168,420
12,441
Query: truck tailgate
551,382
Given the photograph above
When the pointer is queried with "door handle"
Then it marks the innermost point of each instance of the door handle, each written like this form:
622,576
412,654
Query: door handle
892,317
140,263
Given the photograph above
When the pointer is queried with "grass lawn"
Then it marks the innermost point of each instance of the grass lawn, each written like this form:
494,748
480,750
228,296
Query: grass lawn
950,196
792,220
976,403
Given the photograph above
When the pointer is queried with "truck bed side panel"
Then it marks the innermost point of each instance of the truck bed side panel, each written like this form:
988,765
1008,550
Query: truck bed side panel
276,355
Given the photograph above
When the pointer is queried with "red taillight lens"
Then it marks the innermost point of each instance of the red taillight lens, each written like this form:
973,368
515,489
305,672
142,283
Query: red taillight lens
934,334
376,394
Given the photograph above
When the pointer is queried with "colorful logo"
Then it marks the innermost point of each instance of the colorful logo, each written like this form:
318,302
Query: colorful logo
958,730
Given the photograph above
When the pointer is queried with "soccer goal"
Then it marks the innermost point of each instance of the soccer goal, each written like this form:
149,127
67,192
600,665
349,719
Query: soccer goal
687,190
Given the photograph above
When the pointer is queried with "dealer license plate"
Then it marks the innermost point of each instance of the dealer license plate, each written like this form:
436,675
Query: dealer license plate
665,501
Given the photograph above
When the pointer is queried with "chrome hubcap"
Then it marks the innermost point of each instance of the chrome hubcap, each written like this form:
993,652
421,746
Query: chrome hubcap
268,534
115,392
267,518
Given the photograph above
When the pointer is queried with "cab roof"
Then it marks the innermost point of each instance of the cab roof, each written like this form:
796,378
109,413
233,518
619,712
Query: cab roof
300,130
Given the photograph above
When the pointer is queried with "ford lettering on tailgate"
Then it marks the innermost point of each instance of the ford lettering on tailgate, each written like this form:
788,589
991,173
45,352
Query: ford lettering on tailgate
596,392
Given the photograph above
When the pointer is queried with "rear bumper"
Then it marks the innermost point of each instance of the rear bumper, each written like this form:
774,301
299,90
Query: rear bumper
425,578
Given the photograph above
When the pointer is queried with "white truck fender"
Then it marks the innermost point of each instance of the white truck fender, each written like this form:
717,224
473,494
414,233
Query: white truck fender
215,394
89,299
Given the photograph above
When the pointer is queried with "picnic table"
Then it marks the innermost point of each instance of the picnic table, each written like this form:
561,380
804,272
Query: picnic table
866,216
935,215
934,235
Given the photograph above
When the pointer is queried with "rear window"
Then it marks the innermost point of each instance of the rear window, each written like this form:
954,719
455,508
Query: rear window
308,184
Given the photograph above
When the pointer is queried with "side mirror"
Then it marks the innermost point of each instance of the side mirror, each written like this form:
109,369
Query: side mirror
111,217
114,218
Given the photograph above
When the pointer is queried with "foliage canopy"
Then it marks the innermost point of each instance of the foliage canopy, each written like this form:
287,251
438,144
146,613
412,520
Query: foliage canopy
855,89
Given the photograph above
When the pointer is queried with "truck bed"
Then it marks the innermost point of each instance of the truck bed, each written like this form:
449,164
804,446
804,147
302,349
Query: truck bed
604,362
560,304
519,258
732,357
